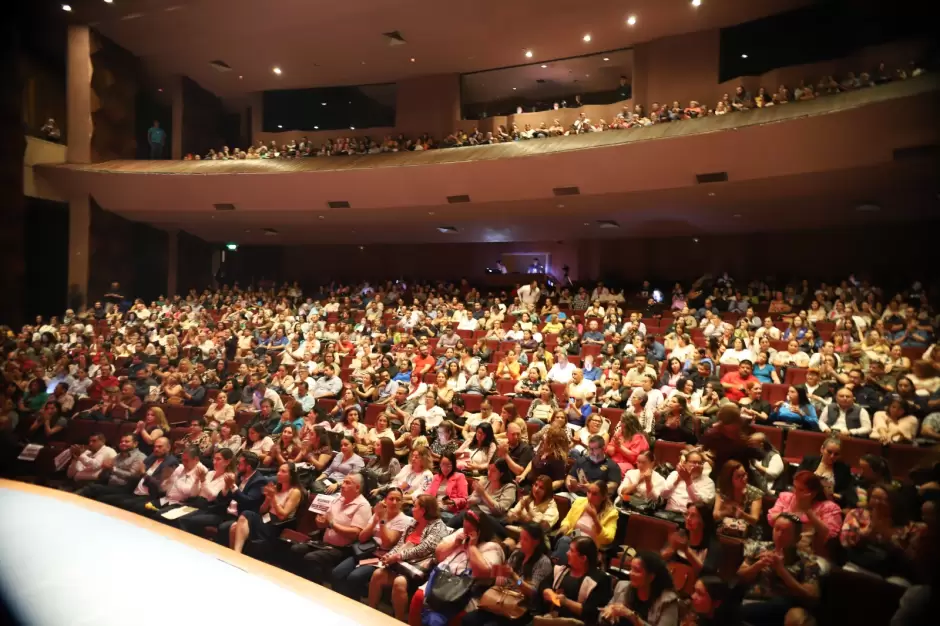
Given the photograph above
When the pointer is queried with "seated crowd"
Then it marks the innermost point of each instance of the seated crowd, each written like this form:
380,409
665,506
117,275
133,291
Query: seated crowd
638,116
549,452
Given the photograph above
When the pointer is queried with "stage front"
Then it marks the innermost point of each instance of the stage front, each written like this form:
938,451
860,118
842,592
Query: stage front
66,560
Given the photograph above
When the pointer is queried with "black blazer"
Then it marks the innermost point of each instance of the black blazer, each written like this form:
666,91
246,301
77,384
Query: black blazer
844,484
153,483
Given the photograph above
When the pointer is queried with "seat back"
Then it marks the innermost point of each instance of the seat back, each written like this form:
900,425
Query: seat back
773,393
774,435
853,448
801,443
668,452
903,458
648,533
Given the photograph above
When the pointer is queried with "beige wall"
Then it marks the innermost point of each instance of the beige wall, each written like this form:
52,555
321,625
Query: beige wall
40,151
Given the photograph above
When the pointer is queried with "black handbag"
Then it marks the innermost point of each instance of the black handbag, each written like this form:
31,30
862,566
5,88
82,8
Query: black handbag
364,549
448,593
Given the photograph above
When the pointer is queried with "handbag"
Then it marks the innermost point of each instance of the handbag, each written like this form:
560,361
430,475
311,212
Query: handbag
448,593
364,549
504,601
733,528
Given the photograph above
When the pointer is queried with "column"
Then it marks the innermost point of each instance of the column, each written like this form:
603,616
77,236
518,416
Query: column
172,261
176,140
79,248
78,93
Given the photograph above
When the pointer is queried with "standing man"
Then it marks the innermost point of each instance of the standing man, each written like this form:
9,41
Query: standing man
156,137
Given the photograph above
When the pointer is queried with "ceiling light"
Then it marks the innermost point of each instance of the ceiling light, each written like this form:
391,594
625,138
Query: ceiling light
587,223
66,7
736,215
513,88
232,246
586,38
607,58
694,239
696,3
561,206
743,56
711,194
352,128
108,1
363,63
316,128
277,71
430,212
528,54
279,126
412,59
320,216
160,89
544,66
323,104
631,21
240,77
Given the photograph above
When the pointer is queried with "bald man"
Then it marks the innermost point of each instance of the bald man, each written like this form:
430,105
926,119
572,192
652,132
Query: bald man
157,469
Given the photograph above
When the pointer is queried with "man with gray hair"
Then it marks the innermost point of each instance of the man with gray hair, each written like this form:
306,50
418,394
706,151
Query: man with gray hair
348,514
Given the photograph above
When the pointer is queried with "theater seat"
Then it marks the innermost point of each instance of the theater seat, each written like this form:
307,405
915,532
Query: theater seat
904,458
326,404
561,392
372,414
522,404
774,435
498,402
668,452
853,448
852,598
505,386
773,392
801,443
471,402
795,376
648,533
80,430
612,415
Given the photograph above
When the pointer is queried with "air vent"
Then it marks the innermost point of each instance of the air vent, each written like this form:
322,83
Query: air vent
608,224
714,177
224,207
540,81
566,191
338,204
915,152
447,229
394,38
458,199
269,232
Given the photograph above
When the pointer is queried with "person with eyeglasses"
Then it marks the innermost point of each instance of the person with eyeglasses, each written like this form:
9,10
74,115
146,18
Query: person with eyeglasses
688,484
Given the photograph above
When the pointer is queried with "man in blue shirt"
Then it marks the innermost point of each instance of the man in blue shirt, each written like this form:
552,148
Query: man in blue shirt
156,137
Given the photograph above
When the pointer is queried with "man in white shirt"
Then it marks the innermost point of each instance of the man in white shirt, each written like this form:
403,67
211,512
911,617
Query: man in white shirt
581,388
186,479
688,484
529,294
87,462
432,414
562,369
845,416
636,374
329,385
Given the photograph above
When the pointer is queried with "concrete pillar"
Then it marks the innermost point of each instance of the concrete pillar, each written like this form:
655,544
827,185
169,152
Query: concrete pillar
79,247
176,140
172,261
78,94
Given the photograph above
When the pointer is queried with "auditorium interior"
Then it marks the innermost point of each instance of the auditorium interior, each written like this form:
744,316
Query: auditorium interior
490,313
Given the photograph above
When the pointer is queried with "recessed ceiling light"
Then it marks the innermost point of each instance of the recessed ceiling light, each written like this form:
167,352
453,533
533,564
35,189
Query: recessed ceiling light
711,194
607,58
320,216
513,88
66,7
696,3
694,239
412,59
363,63
277,70
743,56
240,77
430,212
561,206
528,54
544,66
316,128
586,38
587,223
279,126
352,128
160,89
361,247
323,104
108,1
737,215
631,21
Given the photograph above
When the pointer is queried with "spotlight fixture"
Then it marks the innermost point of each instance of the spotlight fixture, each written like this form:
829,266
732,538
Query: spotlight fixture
67,8
276,70
743,56
279,126
513,88
607,58
352,128
316,128
631,21
412,59
160,89
528,54
108,1
323,104
696,3
544,66
586,38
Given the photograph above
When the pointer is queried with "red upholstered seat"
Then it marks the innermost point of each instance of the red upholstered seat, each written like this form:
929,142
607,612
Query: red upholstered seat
773,433
773,392
668,452
853,448
795,376
904,458
801,443
648,533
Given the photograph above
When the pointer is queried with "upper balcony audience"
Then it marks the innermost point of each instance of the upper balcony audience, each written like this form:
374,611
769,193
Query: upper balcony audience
635,117
675,439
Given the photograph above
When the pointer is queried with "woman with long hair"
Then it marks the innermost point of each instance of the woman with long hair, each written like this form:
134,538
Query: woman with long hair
737,502
383,465
288,449
415,547
414,478
896,423
317,450
796,410
525,570
576,589
879,537
714,603
696,546
537,507
821,518
449,486
593,516
551,454
627,442
648,597
446,440
281,500
151,428
476,453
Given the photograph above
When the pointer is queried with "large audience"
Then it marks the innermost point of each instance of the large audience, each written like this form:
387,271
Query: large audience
451,454
659,113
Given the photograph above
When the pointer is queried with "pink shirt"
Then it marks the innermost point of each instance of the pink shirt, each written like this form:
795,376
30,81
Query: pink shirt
826,510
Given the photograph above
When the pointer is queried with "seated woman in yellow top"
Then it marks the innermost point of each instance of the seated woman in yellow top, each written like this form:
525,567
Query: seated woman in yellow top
592,516
553,326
